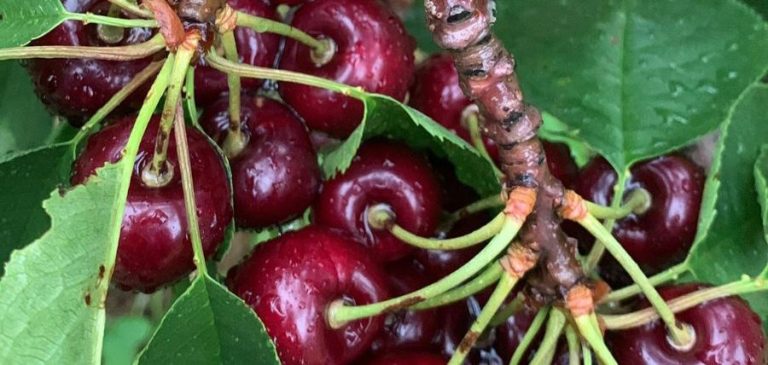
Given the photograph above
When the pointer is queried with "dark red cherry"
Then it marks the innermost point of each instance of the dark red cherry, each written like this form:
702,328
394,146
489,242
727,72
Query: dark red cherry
408,358
256,49
290,281
387,174
154,247
373,52
76,88
436,93
663,234
726,331
440,263
407,329
276,177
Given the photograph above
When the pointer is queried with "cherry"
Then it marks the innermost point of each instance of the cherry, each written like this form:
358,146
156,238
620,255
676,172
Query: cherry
440,263
383,174
726,331
406,329
154,247
276,177
436,93
257,49
510,334
408,358
663,234
290,281
76,88
373,51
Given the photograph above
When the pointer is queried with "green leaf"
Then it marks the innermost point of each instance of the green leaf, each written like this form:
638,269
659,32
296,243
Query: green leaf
761,185
731,240
51,297
209,325
22,21
26,180
634,79
24,121
124,338
386,117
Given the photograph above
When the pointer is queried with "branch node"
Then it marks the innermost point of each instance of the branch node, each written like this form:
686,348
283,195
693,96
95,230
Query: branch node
580,301
226,19
520,259
574,208
520,203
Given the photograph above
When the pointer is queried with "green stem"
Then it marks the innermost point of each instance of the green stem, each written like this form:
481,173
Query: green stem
530,336
118,99
592,335
505,286
679,304
665,276
474,286
546,350
158,173
490,202
637,201
574,347
339,314
121,53
248,71
598,249
235,140
586,354
189,97
182,150
679,334
108,33
472,121
478,236
132,8
509,310
90,18
264,25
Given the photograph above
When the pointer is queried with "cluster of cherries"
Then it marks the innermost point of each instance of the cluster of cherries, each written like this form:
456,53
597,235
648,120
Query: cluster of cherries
290,280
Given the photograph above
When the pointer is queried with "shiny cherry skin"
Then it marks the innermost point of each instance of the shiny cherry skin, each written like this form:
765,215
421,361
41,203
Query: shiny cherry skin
290,281
373,52
154,247
276,177
436,93
76,88
408,358
383,173
663,234
256,49
726,330
407,329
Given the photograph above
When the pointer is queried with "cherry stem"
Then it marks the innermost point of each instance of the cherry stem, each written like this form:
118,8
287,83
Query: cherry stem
471,119
182,150
677,332
121,53
119,98
339,314
546,351
90,18
322,49
637,201
248,71
490,202
189,96
516,305
574,345
591,333
586,353
665,276
529,336
132,8
504,287
158,172
598,249
235,141
108,33
474,286
630,320
482,234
